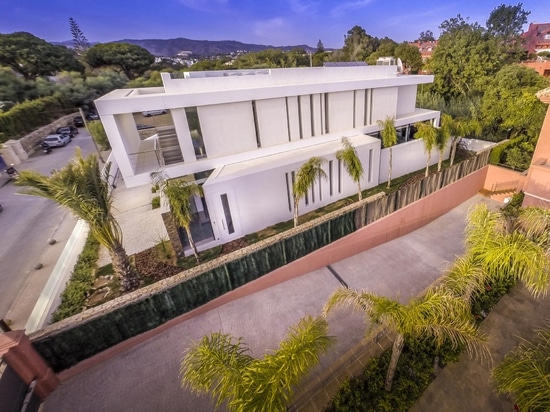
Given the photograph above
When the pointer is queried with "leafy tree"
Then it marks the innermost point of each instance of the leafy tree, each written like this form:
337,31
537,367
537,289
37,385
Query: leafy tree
179,195
32,57
523,374
519,156
305,178
428,133
438,315
426,36
14,88
510,107
79,40
389,139
97,131
410,56
222,367
358,45
348,156
506,24
464,60
131,59
385,48
82,188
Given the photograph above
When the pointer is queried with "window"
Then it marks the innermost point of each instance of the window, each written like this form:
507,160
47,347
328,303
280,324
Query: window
227,214
288,193
195,131
339,176
370,166
256,126
330,178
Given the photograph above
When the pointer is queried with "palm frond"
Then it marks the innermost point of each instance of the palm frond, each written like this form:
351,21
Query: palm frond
524,374
215,366
308,173
273,377
466,277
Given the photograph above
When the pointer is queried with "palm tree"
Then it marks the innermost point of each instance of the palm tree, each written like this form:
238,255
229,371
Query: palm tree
428,133
348,156
438,315
222,367
179,195
82,188
517,250
442,138
524,374
389,139
305,178
460,128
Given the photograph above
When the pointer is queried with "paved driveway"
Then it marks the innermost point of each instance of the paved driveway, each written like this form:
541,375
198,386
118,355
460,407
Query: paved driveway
146,376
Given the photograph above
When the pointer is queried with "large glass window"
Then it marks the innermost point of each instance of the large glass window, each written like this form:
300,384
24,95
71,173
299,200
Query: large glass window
227,213
195,131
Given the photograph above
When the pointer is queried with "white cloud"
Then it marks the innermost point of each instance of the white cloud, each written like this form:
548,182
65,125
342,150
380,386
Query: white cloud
205,5
271,30
303,6
349,6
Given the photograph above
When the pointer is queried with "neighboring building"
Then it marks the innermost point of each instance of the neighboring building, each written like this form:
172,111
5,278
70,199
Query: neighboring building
537,38
425,48
542,67
244,134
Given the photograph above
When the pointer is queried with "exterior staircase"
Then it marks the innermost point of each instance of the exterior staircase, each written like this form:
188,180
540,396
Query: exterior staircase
168,145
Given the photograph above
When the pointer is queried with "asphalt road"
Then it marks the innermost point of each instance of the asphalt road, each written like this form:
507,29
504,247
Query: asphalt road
28,222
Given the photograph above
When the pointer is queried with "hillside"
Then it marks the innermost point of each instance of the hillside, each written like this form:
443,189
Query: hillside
199,48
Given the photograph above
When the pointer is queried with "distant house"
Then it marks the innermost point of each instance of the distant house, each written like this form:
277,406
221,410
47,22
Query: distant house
541,66
537,38
243,134
425,48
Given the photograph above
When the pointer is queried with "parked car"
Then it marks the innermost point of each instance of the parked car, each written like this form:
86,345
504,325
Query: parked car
70,130
57,140
92,116
78,121
149,113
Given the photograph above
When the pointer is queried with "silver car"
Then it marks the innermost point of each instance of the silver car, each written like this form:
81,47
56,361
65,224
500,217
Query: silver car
57,140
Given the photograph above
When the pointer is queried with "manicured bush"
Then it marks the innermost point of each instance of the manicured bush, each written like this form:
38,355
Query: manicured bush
29,115
73,298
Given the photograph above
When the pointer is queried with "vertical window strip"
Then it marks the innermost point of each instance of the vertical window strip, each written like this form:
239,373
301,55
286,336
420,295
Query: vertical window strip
312,114
370,166
300,118
354,106
366,109
256,125
320,190
339,176
288,193
287,119
313,193
330,178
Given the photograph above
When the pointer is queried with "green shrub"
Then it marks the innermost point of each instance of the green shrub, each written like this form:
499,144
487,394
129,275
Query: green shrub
29,115
73,298
415,371
155,202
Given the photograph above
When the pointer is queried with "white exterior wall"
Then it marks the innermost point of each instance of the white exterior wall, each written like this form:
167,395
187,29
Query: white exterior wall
272,122
341,111
227,128
384,103
260,198
293,117
407,158
406,99
359,118
305,116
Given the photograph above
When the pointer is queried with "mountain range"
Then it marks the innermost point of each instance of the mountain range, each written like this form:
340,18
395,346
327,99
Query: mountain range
199,48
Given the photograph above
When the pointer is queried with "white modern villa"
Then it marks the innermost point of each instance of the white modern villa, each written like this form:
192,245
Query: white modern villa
243,135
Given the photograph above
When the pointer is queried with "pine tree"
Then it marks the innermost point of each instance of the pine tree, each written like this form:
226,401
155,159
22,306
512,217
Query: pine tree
80,41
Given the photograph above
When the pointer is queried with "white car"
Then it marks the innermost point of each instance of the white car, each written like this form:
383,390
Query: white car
149,113
57,140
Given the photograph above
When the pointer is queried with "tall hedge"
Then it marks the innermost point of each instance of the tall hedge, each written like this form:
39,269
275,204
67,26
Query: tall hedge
29,115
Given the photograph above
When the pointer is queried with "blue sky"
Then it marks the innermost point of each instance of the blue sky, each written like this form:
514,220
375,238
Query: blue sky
269,22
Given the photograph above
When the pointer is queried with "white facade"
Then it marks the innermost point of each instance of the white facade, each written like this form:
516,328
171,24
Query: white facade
248,132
